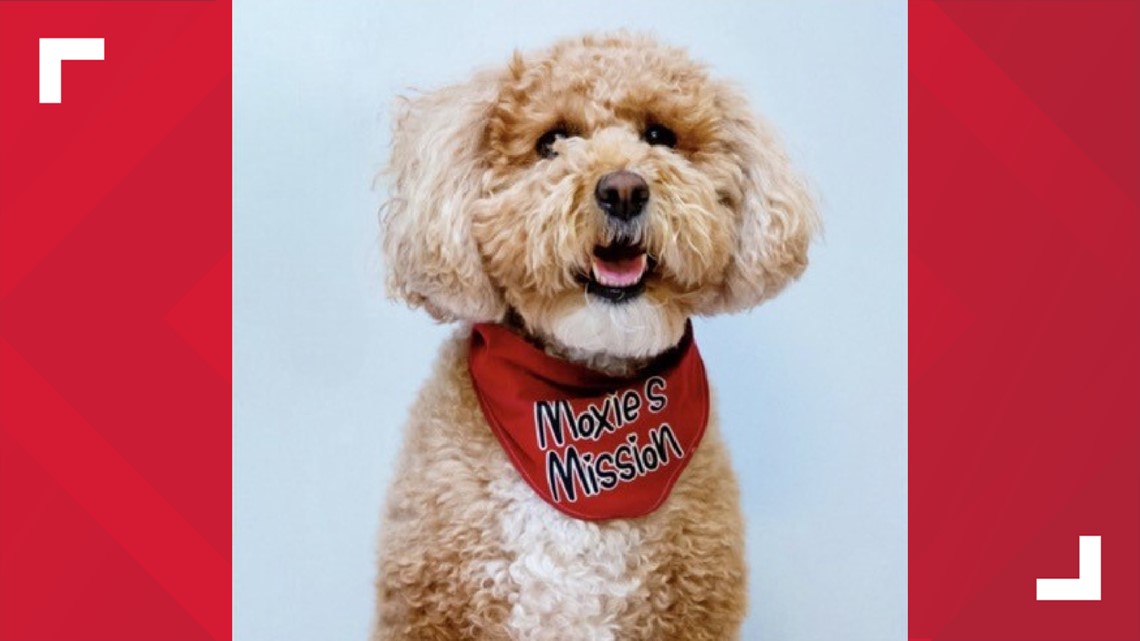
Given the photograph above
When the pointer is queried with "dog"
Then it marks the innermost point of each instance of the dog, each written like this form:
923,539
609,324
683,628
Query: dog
573,210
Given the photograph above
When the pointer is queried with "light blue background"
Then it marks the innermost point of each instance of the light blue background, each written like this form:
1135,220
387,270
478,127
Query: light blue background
812,387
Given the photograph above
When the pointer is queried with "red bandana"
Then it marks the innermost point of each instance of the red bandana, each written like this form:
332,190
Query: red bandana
594,446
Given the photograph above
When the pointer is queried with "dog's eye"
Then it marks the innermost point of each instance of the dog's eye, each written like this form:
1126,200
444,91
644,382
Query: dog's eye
660,135
545,144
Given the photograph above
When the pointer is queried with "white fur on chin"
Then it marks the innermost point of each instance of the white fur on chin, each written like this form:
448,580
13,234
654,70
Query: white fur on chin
639,328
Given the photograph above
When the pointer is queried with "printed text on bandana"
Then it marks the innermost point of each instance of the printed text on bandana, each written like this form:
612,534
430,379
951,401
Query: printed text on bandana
560,431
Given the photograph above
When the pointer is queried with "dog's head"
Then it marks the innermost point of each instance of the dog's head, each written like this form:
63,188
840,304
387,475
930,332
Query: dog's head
602,191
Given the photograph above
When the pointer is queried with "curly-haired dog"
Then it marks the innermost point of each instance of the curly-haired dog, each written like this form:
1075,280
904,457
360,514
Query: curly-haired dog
578,206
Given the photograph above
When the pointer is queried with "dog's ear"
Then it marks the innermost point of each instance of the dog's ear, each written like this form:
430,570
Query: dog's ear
437,170
777,216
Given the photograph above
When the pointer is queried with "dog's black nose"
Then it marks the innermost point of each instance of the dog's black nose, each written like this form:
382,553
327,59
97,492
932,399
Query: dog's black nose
622,194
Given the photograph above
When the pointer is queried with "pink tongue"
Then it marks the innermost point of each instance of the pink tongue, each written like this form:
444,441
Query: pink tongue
622,272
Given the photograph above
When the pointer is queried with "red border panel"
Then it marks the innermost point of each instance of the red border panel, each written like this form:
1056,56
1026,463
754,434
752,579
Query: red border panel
115,325
1024,316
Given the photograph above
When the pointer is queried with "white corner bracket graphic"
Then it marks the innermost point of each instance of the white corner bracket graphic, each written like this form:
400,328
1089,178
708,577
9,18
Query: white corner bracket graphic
53,51
1086,587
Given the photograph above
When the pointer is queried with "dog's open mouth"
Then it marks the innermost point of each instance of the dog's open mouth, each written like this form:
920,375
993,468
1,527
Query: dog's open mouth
618,272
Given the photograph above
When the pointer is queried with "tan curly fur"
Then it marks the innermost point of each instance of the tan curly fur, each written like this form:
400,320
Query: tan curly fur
480,227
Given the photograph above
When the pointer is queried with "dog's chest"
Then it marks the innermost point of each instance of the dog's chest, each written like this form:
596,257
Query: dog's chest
566,579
